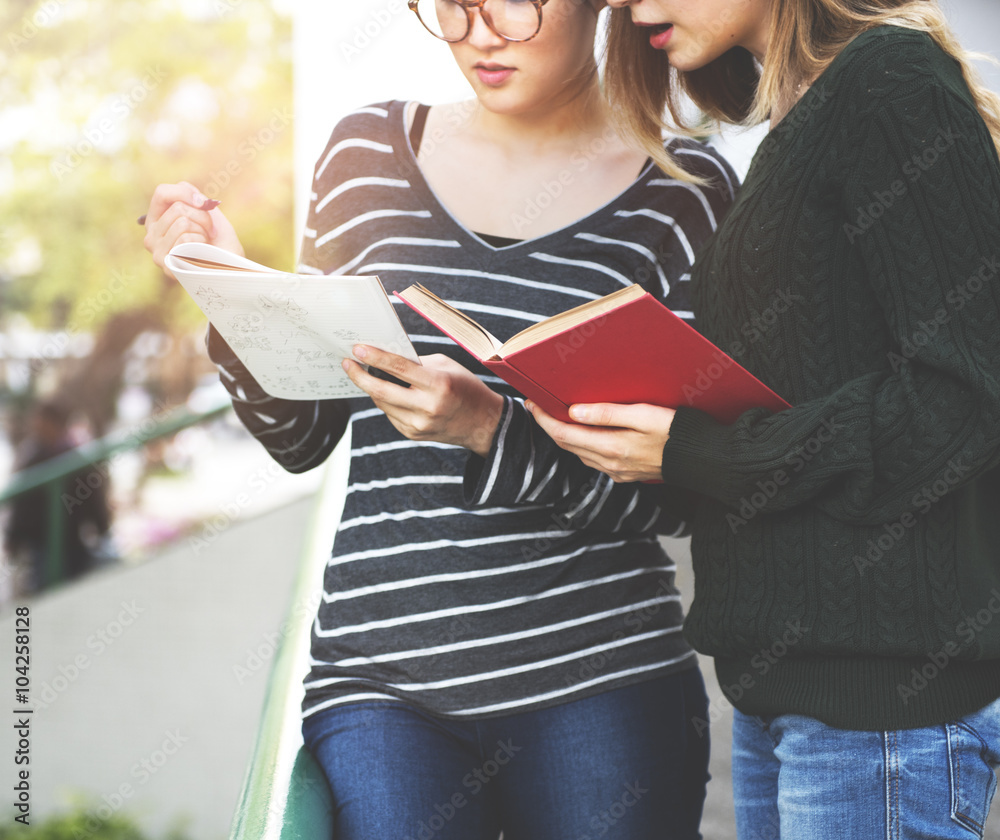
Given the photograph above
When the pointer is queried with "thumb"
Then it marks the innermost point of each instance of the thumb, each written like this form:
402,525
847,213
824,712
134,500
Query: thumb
224,234
639,416
599,414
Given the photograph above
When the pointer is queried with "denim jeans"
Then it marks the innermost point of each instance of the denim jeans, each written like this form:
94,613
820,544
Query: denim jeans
795,778
628,764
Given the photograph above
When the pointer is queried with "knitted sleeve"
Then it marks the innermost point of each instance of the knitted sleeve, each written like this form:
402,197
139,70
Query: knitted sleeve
931,413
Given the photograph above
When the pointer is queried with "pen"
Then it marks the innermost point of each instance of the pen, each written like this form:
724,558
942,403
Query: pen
210,204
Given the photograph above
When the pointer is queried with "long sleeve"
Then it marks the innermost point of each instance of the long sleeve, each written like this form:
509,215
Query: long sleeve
921,209
298,434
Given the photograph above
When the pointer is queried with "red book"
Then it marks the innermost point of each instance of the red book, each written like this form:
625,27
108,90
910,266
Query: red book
625,347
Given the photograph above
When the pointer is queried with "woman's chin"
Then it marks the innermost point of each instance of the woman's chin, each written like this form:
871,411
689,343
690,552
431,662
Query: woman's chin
496,102
686,57
685,62
507,101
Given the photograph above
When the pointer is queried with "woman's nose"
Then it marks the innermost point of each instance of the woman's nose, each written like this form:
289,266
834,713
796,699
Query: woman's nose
480,35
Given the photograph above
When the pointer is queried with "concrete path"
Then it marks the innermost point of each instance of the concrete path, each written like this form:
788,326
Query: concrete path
149,681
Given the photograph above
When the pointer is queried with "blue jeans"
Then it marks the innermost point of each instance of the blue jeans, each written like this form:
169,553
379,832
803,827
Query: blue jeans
628,764
795,778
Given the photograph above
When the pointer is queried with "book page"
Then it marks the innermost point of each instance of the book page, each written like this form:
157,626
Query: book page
483,345
292,331
456,324
590,311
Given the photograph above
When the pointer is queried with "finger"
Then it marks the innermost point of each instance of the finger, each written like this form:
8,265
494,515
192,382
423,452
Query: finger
181,210
569,433
398,366
166,195
604,448
170,230
640,416
569,436
599,414
384,393
588,444
224,235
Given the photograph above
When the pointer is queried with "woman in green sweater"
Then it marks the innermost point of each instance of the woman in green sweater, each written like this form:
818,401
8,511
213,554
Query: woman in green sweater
846,550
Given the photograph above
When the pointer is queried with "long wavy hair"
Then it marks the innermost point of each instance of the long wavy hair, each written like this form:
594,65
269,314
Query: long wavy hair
805,36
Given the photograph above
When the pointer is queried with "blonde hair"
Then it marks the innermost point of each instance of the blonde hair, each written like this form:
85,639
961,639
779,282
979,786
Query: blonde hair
805,36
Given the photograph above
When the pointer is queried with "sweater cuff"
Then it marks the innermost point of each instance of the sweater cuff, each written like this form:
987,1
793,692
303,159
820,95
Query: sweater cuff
694,454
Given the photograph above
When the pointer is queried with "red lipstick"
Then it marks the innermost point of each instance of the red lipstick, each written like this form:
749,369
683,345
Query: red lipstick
661,35
658,40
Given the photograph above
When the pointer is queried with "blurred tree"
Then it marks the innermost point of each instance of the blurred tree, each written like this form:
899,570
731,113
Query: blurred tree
100,100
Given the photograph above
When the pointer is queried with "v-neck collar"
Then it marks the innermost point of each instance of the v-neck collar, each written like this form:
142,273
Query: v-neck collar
401,142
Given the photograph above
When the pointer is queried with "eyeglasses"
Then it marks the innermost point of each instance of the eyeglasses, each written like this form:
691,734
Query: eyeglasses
451,20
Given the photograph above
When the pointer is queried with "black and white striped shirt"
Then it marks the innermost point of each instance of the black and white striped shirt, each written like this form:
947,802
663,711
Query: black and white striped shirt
476,587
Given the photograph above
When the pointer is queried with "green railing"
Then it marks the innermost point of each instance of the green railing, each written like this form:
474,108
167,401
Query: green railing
285,793
50,474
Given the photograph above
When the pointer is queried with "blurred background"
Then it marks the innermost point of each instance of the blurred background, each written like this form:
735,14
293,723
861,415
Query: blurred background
155,625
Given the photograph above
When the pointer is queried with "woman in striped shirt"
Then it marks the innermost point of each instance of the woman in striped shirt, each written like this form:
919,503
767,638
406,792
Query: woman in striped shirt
498,646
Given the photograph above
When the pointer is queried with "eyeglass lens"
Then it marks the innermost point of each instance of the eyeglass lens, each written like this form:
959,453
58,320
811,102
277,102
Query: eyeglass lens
516,20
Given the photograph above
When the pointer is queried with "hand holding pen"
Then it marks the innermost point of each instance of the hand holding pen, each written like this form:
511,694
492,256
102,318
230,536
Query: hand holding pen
181,213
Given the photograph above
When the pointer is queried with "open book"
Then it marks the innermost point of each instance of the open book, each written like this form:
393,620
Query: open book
292,331
625,347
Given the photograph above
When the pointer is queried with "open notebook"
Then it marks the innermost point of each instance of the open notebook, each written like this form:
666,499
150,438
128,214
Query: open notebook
292,331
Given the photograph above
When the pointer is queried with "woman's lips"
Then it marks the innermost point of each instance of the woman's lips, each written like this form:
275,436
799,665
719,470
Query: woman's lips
658,40
493,76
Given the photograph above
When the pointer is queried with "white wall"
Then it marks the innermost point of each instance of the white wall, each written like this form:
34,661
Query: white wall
350,53
977,24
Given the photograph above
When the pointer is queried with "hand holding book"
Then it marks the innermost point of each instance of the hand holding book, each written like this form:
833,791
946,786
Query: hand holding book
624,441
436,400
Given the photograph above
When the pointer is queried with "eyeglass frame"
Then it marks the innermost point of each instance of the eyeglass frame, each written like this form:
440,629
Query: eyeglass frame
467,5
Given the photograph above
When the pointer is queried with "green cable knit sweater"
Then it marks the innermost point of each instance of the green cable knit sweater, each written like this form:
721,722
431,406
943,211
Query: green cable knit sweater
847,551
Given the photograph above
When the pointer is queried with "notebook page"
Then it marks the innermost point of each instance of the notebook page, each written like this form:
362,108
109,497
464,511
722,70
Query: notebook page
293,331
